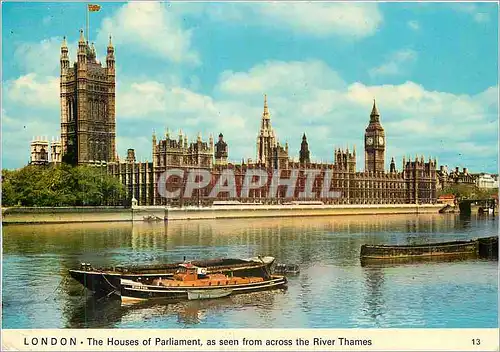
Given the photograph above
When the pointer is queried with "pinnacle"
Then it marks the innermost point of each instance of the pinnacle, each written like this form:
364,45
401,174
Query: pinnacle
374,109
265,115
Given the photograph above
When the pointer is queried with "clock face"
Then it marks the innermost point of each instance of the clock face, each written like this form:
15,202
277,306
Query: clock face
369,141
381,140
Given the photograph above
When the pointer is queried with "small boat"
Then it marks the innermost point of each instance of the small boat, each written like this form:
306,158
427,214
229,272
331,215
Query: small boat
106,281
193,282
192,295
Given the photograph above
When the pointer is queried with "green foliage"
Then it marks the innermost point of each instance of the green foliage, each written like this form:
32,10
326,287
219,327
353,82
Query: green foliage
60,185
464,191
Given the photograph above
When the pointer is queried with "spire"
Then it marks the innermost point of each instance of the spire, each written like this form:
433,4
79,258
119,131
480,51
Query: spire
265,115
64,43
82,38
374,109
110,44
304,138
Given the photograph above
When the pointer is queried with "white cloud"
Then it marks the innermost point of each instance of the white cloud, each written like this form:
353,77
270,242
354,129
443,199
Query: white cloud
34,90
414,25
296,77
19,130
353,20
416,120
396,64
151,28
473,10
304,96
42,57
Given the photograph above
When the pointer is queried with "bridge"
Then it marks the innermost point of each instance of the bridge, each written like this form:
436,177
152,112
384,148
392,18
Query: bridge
484,205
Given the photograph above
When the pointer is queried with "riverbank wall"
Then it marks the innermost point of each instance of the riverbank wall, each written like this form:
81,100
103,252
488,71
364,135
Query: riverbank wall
149,213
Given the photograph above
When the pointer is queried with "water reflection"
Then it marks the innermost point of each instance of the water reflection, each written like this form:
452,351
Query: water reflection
91,312
374,303
332,290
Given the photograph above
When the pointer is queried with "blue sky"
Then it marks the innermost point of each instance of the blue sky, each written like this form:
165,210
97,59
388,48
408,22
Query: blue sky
204,67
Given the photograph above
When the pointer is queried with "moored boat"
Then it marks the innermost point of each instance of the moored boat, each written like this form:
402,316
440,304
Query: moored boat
431,251
442,251
106,281
193,282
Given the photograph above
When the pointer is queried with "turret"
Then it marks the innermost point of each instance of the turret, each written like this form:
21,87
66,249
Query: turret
221,151
110,56
92,54
155,154
304,154
393,166
211,142
64,56
82,51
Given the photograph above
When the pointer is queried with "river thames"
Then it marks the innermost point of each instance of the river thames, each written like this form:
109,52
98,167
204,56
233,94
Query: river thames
331,291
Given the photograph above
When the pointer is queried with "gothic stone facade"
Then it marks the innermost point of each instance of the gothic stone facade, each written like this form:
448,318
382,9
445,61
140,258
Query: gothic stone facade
415,183
88,137
87,105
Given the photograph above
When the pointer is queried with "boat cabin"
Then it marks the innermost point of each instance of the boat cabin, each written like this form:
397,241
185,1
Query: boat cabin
190,272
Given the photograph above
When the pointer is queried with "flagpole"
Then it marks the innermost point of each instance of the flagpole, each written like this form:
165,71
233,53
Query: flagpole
88,34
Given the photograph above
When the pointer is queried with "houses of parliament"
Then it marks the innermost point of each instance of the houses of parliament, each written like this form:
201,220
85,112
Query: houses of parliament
88,131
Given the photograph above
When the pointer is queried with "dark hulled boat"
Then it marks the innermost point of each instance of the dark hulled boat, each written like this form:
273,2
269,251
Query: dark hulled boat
433,251
106,281
194,283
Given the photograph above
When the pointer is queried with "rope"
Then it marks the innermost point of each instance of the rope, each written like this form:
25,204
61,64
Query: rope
58,286
109,283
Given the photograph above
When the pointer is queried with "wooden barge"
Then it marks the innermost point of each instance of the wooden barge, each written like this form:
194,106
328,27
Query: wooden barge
194,283
107,281
476,248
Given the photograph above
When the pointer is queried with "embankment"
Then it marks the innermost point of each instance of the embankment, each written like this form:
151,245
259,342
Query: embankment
112,214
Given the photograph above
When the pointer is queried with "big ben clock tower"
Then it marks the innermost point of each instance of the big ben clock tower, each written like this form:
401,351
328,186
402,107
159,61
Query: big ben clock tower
374,143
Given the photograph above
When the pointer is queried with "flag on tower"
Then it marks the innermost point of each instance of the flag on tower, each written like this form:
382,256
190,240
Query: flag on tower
94,7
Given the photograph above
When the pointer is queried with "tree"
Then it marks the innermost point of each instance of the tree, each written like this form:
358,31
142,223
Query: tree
465,191
60,185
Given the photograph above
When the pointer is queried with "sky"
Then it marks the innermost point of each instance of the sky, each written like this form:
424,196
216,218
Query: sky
205,67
